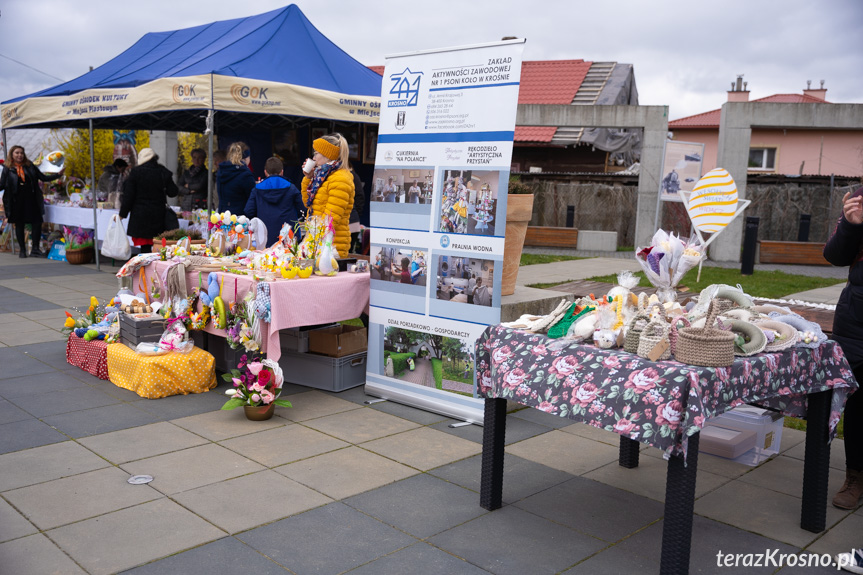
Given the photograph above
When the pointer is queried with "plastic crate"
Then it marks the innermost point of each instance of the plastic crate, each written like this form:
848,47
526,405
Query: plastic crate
766,424
322,372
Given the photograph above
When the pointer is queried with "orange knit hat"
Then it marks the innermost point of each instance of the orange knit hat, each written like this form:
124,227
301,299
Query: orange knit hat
328,150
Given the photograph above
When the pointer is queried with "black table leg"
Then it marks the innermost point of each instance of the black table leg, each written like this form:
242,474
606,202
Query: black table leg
816,465
629,449
679,505
493,435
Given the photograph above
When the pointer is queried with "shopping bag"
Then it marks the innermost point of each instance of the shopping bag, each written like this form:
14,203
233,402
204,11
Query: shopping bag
116,243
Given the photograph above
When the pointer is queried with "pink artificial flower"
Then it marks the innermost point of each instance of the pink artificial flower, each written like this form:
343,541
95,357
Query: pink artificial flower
236,381
256,398
257,387
255,367
267,397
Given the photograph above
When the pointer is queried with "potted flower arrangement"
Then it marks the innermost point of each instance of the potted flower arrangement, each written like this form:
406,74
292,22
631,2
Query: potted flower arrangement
257,387
79,245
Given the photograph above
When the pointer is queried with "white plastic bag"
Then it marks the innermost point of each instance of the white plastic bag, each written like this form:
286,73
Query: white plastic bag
116,243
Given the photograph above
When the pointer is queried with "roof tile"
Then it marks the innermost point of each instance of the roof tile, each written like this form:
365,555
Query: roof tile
711,119
551,81
534,133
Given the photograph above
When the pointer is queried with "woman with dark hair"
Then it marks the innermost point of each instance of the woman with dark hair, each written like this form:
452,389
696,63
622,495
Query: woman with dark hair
405,271
145,193
193,182
845,248
22,199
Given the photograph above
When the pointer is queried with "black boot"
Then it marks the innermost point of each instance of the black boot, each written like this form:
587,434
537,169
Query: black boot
22,254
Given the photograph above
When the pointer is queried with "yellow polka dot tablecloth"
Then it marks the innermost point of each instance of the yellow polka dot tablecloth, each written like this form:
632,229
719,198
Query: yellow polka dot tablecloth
155,376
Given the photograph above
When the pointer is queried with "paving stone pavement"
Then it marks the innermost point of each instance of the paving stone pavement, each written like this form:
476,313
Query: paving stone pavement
334,485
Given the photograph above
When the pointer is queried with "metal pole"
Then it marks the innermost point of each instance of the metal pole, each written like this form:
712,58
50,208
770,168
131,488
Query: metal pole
830,209
5,150
93,194
209,130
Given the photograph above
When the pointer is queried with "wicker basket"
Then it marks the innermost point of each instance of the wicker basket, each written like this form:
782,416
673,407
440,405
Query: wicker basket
706,346
651,335
672,335
637,325
788,335
79,256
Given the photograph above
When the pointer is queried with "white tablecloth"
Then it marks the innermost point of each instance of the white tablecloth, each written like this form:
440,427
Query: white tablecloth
83,217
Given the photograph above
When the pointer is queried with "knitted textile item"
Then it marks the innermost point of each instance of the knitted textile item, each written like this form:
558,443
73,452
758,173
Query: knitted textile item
263,302
801,324
706,346
787,335
757,339
318,178
561,327
330,151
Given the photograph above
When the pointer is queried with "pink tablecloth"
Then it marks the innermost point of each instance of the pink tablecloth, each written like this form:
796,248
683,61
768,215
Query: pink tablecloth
295,302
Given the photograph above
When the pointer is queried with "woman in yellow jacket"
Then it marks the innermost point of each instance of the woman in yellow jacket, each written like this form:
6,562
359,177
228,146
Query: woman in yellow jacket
328,189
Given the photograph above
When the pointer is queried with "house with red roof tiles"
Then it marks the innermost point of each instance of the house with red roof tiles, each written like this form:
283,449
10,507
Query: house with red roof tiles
778,150
569,149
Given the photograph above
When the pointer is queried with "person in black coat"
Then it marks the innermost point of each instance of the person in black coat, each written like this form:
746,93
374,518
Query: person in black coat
236,180
845,248
276,201
193,183
145,193
22,198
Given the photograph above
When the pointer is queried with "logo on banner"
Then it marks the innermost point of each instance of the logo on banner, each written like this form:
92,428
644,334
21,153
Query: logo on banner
444,241
10,114
400,120
405,89
182,93
249,94
388,156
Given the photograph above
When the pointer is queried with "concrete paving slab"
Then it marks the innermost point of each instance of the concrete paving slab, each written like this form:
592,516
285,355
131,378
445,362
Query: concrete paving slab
708,463
594,509
516,430
522,478
226,556
12,524
178,406
421,505
78,497
24,326
283,445
12,317
759,510
345,472
408,559
648,479
10,413
511,541
141,442
407,412
837,453
592,433
844,537
542,418
325,540
23,365
25,434
424,448
35,336
314,404
63,401
33,466
284,497
36,554
584,455
99,420
220,425
42,384
785,475
187,469
133,536
359,425
829,295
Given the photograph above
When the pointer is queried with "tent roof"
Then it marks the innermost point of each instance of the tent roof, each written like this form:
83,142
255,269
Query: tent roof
280,46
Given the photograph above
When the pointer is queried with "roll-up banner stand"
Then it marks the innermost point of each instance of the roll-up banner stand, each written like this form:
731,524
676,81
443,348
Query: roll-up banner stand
438,217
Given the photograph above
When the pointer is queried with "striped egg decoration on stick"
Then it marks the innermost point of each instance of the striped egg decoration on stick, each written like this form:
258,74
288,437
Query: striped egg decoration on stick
713,202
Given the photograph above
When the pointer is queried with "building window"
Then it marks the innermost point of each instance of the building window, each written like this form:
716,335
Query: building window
762,158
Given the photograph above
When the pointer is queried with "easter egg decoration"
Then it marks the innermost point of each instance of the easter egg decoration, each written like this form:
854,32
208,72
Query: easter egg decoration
713,202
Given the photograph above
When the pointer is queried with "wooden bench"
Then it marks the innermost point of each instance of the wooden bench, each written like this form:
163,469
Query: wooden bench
550,237
799,253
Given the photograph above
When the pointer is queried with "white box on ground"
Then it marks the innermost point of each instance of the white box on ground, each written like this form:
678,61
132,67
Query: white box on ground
767,426
597,241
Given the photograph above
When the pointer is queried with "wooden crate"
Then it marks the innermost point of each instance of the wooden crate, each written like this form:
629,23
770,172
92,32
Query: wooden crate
798,253
551,237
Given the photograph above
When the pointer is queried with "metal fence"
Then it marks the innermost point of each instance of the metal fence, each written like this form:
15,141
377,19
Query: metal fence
612,207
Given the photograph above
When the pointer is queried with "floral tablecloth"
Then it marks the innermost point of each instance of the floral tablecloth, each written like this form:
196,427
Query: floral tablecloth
659,403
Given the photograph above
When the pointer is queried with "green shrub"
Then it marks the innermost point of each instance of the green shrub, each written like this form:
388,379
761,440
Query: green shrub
437,371
400,361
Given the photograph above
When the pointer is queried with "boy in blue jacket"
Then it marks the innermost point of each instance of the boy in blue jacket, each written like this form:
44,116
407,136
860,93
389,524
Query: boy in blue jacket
275,201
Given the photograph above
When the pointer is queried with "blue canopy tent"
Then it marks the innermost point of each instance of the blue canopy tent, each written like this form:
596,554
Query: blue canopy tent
266,71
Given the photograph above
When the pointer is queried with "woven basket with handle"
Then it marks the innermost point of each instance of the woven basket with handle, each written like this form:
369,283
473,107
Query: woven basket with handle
706,346
637,325
653,333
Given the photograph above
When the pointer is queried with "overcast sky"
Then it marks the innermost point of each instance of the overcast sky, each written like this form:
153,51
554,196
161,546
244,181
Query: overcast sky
685,53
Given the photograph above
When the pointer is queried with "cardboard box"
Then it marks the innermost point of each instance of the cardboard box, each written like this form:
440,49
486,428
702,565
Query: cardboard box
338,341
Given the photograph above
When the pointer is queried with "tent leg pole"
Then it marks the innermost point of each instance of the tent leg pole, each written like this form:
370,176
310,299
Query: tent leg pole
210,121
93,194
5,149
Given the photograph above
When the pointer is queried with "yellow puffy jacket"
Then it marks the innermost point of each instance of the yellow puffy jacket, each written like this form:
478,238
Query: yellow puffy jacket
335,197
